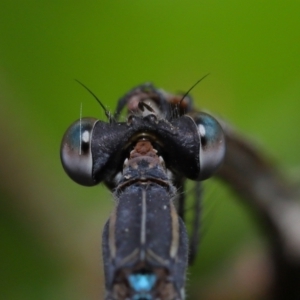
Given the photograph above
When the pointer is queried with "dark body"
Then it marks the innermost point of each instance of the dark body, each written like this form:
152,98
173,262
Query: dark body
145,161
144,236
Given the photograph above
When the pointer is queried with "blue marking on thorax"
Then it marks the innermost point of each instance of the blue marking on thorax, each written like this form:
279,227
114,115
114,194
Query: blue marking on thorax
142,282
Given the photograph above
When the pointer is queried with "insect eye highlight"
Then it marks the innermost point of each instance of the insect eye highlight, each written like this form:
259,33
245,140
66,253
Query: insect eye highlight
75,151
212,146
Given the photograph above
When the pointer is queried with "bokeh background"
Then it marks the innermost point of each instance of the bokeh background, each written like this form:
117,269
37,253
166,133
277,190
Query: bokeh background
50,227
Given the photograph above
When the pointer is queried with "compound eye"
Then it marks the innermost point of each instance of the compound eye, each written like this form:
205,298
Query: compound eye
75,151
212,146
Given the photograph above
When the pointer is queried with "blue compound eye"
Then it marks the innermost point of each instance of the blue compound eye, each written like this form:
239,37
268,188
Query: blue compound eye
212,146
75,151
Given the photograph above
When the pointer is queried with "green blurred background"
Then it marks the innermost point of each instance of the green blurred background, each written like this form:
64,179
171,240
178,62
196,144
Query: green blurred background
51,227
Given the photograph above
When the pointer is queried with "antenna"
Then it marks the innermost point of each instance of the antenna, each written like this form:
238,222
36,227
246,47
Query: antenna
107,112
192,88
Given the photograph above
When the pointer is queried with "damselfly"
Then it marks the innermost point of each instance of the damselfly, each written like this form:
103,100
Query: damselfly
145,162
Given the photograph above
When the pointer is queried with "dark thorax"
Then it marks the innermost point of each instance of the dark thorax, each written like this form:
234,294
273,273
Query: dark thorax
150,260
